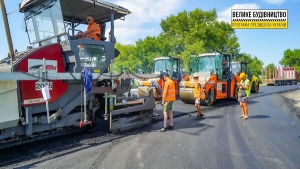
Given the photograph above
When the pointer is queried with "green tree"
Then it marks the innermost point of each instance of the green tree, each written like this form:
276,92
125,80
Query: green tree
147,50
255,65
195,31
191,48
244,57
140,56
198,29
127,58
291,58
268,71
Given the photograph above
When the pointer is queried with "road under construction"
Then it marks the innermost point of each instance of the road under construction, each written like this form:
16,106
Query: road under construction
61,66
268,139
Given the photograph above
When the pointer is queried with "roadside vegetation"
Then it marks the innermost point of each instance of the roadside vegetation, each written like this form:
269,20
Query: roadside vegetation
189,32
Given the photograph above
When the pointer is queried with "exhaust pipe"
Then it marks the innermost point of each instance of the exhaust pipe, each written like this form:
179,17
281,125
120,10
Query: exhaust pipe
7,30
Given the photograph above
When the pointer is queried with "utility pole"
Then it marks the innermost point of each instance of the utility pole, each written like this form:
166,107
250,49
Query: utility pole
7,30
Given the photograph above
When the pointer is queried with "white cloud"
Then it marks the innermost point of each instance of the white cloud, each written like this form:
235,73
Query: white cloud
144,19
226,14
276,2
127,35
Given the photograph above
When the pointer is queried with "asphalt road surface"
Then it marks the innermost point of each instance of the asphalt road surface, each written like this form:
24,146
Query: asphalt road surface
270,138
179,107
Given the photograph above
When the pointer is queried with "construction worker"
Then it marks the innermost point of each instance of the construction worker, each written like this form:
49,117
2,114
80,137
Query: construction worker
92,30
243,94
224,62
225,68
197,95
167,101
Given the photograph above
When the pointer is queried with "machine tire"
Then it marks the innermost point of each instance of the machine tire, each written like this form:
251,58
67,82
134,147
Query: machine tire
211,101
236,93
255,87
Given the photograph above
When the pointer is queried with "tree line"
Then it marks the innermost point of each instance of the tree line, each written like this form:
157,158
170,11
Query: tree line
291,58
189,32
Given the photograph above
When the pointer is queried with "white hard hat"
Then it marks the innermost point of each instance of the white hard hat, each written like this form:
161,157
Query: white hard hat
195,75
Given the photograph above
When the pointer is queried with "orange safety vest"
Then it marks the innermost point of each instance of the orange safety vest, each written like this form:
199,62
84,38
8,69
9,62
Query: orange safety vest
196,90
94,33
170,93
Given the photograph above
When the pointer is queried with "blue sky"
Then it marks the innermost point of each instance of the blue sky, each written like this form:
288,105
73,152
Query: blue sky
268,45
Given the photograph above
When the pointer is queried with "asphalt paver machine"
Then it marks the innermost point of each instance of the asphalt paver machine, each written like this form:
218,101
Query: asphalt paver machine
59,84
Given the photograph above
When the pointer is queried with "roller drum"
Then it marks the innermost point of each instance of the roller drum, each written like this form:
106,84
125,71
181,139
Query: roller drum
143,91
187,95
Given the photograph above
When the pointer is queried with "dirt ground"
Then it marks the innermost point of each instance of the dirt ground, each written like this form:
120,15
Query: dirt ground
292,99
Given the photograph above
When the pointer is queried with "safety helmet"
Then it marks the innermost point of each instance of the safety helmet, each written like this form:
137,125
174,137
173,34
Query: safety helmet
195,75
242,75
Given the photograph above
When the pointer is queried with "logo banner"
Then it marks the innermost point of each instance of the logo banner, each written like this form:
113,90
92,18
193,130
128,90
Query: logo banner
259,19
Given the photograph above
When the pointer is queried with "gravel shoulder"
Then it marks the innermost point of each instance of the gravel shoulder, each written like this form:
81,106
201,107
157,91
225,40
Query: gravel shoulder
292,100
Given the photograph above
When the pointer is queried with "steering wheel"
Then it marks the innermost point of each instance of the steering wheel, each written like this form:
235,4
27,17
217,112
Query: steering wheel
74,30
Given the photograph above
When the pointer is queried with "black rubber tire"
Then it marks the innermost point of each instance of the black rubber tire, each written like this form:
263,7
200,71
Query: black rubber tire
205,103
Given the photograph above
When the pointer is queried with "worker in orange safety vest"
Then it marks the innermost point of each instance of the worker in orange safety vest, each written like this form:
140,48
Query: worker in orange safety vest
197,95
167,102
92,30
